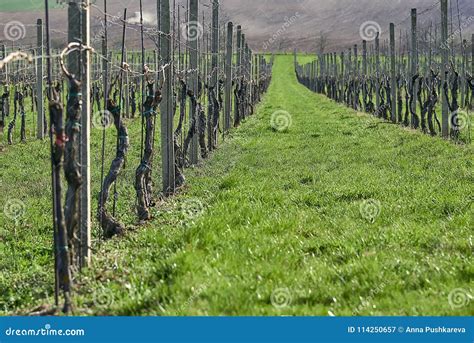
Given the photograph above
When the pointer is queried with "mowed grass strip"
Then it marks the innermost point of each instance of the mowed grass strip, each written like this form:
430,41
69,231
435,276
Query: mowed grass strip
340,214
25,5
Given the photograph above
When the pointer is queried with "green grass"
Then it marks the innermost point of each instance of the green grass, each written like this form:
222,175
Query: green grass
25,5
271,213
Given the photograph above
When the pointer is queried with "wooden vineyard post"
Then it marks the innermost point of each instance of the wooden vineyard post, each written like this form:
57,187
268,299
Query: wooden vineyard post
472,71
356,74
393,77
166,106
356,60
444,66
463,71
316,73
377,70
78,30
39,81
364,71
74,34
238,73
321,63
250,59
228,76
343,76
85,210
5,68
349,63
414,61
156,65
214,66
3,71
330,65
256,78
193,24
243,71
249,75
324,69
126,87
158,17
472,54
105,73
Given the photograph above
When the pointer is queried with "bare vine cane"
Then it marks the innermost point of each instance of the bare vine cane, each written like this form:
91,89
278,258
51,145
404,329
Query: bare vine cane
414,116
201,119
406,120
143,182
12,124
110,225
470,81
388,93
431,104
216,108
469,106
236,85
220,102
5,107
2,113
180,157
121,147
179,176
21,106
371,105
244,99
202,132
133,101
57,153
240,92
399,85
72,168
424,98
201,115
453,105
193,127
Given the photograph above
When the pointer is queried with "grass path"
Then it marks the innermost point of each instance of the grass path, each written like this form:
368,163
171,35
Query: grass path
342,214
